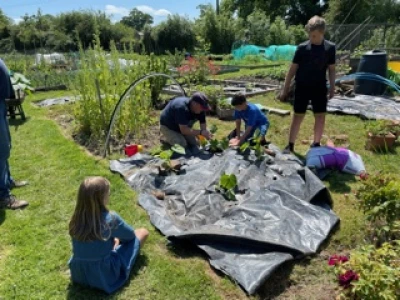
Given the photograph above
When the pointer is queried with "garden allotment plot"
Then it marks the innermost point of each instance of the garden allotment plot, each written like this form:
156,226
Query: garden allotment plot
280,213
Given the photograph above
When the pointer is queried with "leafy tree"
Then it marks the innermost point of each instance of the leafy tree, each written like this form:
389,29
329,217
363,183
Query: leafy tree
297,34
216,33
4,20
244,8
148,40
382,11
300,11
6,43
137,19
278,33
123,35
258,27
175,33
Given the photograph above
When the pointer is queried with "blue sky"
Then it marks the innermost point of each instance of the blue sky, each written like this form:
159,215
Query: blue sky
157,8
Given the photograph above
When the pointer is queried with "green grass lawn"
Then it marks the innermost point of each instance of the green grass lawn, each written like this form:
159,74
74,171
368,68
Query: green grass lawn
35,243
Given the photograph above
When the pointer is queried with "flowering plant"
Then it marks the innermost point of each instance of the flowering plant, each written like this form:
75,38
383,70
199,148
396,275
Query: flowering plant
197,70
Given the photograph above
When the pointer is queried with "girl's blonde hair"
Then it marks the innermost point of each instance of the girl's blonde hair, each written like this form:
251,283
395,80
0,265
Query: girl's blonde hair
87,223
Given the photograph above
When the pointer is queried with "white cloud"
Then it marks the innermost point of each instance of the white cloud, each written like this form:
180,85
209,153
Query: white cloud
115,10
17,20
151,11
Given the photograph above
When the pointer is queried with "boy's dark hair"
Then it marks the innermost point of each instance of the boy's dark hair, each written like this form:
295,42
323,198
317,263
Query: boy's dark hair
238,99
316,23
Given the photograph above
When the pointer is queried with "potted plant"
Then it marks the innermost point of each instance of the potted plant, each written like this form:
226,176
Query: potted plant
394,127
225,111
379,136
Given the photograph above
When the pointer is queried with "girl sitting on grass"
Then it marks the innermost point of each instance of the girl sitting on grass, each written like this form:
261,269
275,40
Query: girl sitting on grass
104,246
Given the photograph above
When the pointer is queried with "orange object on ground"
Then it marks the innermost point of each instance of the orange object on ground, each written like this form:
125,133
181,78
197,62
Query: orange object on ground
394,65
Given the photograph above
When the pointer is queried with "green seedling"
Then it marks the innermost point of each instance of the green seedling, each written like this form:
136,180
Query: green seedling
377,128
213,129
224,143
243,148
166,156
257,147
214,145
178,149
227,186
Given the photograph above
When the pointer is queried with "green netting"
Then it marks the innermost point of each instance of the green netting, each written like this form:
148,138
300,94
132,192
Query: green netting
282,52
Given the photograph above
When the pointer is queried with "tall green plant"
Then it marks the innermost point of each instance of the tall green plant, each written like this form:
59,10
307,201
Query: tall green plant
114,76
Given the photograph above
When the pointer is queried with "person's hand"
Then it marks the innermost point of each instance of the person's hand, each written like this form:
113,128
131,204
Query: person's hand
330,143
331,93
363,175
206,134
116,243
283,95
234,142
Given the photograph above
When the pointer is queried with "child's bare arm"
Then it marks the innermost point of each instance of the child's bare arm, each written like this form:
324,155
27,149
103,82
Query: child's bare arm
291,73
238,124
332,77
245,134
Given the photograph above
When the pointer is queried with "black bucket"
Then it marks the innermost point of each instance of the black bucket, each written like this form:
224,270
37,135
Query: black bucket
374,62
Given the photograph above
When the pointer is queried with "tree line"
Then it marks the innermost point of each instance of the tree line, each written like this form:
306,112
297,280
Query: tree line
260,22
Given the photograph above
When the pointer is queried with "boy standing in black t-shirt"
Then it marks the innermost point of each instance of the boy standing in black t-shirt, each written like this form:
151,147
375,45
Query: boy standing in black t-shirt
310,63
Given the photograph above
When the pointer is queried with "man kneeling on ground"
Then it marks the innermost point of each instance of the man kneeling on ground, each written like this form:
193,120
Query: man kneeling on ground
178,118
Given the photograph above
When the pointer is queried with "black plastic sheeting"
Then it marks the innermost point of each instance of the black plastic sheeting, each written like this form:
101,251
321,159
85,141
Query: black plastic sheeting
281,213
366,107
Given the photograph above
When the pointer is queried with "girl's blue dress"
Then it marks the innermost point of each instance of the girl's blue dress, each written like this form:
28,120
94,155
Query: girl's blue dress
97,265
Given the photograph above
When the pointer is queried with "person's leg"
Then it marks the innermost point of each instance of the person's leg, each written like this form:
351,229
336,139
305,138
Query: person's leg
191,141
7,200
319,127
141,235
4,154
4,184
11,181
263,133
319,103
299,107
12,184
295,127
172,137
294,131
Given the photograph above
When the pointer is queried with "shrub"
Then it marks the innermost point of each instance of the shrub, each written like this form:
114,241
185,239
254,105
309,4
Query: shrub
370,273
197,69
278,33
175,28
380,200
298,34
214,94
